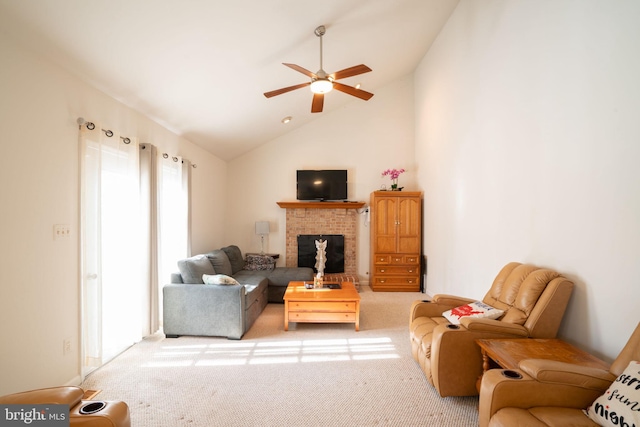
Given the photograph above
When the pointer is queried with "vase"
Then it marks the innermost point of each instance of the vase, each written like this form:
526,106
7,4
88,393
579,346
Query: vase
394,184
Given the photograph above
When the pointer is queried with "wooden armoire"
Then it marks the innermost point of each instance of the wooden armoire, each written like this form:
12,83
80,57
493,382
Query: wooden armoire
396,240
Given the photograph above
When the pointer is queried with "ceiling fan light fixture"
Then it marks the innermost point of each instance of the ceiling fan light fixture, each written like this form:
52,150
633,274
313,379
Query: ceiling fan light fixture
321,86
322,83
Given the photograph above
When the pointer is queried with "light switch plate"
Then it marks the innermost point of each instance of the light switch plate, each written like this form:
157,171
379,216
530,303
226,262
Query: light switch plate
61,231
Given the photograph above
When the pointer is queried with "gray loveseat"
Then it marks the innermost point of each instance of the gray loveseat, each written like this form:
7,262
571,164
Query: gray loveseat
192,308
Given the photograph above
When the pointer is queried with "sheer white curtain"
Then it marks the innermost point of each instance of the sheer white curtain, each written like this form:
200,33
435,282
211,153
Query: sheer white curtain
149,232
135,226
174,217
110,245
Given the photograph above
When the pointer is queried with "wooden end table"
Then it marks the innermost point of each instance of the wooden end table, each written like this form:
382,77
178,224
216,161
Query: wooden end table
302,305
507,353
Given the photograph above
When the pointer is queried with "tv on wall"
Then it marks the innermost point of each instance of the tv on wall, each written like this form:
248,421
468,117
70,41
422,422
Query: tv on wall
321,185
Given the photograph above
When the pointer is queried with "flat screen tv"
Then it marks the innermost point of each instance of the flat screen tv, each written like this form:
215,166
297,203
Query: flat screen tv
321,185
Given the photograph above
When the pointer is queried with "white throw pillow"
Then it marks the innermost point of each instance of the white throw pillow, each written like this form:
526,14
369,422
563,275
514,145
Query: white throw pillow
619,405
474,309
219,279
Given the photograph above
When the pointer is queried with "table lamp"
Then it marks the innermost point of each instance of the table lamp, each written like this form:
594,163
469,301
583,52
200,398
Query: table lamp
262,229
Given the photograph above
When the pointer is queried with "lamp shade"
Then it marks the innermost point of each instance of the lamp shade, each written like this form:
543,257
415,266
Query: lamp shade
262,227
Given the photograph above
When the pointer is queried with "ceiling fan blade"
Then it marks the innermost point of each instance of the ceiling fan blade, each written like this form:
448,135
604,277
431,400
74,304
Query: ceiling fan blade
317,103
362,94
285,90
301,70
352,71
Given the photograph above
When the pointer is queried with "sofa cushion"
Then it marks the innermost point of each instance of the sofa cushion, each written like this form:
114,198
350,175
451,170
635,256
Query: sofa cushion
235,257
475,309
220,262
249,277
192,269
618,405
281,276
259,262
219,279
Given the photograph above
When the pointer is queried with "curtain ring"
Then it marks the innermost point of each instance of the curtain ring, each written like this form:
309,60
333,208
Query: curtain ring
165,156
108,133
90,126
194,165
125,140
175,159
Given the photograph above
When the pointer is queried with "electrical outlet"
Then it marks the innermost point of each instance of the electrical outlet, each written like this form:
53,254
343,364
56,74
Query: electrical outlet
66,346
61,231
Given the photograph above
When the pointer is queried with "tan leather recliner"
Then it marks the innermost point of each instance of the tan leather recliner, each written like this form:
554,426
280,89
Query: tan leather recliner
534,300
550,393
82,413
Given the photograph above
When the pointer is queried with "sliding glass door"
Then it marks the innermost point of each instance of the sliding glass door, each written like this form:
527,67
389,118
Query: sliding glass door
111,247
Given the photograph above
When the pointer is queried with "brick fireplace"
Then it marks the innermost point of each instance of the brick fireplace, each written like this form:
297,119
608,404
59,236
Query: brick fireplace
322,218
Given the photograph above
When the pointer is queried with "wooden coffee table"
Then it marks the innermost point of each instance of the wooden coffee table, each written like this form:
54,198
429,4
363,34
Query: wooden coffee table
507,353
302,305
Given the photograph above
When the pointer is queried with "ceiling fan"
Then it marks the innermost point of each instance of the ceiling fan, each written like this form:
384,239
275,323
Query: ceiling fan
321,82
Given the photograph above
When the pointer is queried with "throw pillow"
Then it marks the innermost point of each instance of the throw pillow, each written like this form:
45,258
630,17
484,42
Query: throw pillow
192,269
259,262
219,279
619,405
220,262
474,309
235,257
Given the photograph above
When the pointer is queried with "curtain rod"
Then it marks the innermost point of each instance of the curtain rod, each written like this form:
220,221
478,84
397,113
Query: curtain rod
109,133
175,159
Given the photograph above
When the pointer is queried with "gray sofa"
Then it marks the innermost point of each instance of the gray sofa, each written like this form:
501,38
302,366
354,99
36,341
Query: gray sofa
192,308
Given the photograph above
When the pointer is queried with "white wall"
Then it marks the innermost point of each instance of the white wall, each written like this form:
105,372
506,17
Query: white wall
527,136
363,137
39,287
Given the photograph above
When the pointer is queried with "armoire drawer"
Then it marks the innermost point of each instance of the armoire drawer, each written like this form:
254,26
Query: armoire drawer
400,280
396,270
391,259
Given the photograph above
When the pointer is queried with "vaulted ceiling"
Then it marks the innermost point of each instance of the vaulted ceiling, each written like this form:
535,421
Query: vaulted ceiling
200,67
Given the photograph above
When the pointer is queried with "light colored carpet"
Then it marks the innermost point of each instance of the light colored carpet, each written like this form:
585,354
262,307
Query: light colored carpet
312,375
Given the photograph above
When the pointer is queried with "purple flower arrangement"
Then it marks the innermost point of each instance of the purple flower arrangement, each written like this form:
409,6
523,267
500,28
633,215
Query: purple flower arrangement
394,174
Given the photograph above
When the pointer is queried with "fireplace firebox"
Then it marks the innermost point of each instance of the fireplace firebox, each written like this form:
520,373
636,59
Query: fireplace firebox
335,251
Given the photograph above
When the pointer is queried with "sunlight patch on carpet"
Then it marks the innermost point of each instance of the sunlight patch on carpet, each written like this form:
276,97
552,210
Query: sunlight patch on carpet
275,352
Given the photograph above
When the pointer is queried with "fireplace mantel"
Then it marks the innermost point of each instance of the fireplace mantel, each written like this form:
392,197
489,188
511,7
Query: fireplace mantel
321,205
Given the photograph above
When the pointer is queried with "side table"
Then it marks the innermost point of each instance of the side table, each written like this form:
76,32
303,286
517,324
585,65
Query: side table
507,353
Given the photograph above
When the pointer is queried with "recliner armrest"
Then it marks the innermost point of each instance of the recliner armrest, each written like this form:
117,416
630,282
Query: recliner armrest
552,371
498,391
63,395
427,309
494,326
451,300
